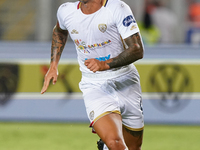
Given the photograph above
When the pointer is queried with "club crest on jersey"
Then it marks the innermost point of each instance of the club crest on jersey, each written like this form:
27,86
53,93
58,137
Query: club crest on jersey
128,20
102,27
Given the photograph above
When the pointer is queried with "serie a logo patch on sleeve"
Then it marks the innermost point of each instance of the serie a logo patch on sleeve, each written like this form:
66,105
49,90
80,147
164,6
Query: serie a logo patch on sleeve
128,21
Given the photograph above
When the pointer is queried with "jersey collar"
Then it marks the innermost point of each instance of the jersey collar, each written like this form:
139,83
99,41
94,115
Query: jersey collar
104,4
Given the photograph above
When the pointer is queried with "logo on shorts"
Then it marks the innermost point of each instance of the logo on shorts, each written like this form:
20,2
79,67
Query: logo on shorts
102,27
128,20
91,115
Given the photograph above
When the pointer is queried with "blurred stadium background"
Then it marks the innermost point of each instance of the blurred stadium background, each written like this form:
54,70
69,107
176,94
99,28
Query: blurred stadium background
169,71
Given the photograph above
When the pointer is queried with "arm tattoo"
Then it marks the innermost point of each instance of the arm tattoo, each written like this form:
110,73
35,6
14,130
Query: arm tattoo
131,54
59,39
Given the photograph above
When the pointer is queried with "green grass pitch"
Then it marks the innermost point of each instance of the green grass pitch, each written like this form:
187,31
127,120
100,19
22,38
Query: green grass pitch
75,136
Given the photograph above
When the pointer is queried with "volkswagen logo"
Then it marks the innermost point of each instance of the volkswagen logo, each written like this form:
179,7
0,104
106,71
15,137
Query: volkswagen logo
170,85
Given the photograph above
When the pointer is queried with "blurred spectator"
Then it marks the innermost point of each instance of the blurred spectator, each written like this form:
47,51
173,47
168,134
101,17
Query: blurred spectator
165,20
193,32
150,33
194,13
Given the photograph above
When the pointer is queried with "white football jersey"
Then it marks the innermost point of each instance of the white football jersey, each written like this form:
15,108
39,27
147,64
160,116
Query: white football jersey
99,35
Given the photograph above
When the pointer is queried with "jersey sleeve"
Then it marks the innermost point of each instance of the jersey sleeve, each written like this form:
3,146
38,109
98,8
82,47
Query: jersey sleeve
125,20
61,16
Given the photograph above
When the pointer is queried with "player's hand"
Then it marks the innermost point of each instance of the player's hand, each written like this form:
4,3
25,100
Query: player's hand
96,65
52,74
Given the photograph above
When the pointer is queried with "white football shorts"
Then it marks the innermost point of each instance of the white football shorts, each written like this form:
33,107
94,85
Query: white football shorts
119,92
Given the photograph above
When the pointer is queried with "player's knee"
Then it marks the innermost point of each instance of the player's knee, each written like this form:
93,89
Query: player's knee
115,144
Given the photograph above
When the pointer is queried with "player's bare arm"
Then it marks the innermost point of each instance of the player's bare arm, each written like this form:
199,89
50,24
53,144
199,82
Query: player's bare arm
59,39
133,53
130,55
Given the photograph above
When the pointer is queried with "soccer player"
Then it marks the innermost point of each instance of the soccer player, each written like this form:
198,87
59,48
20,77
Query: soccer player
108,42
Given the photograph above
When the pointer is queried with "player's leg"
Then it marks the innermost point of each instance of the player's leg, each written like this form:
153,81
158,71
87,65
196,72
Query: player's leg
132,115
109,129
133,139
